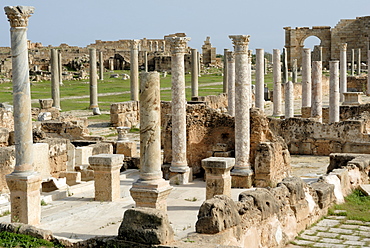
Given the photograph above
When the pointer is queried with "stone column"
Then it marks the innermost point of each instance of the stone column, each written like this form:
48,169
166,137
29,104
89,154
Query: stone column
242,172
146,61
60,70
225,82
194,73
277,82
343,70
93,82
24,183
316,109
368,69
101,66
260,79
353,62
218,179
294,71
156,46
106,176
289,100
265,66
230,82
179,170
134,69
334,92
249,71
320,53
285,76
150,190
111,64
306,77
359,61
55,78
199,67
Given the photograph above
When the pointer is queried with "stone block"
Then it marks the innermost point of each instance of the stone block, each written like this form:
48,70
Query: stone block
129,149
4,136
41,161
365,188
72,177
181,177
82,155
243,182
52,184
146,226
325,193
87,175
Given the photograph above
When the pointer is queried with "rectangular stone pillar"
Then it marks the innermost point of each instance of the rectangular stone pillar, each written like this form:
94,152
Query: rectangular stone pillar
106,175
218,179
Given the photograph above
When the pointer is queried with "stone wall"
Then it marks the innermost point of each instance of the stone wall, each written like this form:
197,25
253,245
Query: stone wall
125,114
357,83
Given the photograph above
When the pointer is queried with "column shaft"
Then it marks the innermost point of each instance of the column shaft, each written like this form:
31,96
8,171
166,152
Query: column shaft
289,100
230,83
101,66
54,78
343,70
194,72
285,76
134,70
353,62
93,79
60,66
146,61
334,92
277,82
225,77
260,79
368,76
359,61
306,77
316,109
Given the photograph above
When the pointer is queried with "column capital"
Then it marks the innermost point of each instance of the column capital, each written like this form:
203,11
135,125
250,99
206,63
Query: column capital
230,56
306,50
343,46
240,43
18,15
178,44
135,44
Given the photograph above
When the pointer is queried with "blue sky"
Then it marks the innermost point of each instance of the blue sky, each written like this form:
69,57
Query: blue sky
81,22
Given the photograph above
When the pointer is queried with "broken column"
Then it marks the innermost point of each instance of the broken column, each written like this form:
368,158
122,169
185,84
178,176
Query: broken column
316,109
106,176
289,100
225,82
101,66
230,82
93,82
306,77
54,78
343,70
24,183
134,70
179,170
150,190
242,172
218,179
334,92
277,82
260,79
194,73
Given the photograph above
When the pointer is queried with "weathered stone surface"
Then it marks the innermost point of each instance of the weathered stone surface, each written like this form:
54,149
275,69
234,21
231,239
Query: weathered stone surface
325,193
295,186
217,214
146,226
7,163
26,229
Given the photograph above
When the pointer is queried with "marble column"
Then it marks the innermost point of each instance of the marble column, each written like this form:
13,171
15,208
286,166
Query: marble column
146,61
260,79
101,66
54,78
294,71
134,70
242,172
150,190
60,68
24,183
316,109
277,83
368,69
194,73
334,92
93,82
289,100
179,170
353,62
306,77
230,82
225,82
359,61
343,70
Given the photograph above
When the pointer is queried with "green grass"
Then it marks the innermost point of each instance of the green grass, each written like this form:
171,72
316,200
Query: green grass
357,207
8,239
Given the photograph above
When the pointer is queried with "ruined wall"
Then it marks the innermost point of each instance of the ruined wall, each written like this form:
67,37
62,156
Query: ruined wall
357,83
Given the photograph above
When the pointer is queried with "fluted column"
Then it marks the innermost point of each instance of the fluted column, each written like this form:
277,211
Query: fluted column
101,66
150,190
242,172
194,72
93,82
316,109
343,70
230,82
24,183
134,70
306,77
334,92
260,79
225,82
277,82
179,165
54,78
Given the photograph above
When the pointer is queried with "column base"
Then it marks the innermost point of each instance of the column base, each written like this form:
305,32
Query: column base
151,194
242,178
180,176
24,190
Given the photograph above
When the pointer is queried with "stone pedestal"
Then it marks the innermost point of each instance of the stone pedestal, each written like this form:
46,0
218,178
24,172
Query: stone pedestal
316,109
306,77
352,98
277,83
106,176
230,82
218,179
343,71
134,70
260,79
334,92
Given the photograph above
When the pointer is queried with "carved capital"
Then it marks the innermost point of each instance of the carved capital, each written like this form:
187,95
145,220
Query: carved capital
178,44
18,15
240,43
135,44
230,56
343,47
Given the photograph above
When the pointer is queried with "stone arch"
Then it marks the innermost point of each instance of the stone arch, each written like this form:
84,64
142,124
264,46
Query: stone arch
294,42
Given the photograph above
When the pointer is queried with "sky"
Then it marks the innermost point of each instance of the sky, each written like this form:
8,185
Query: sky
81,22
